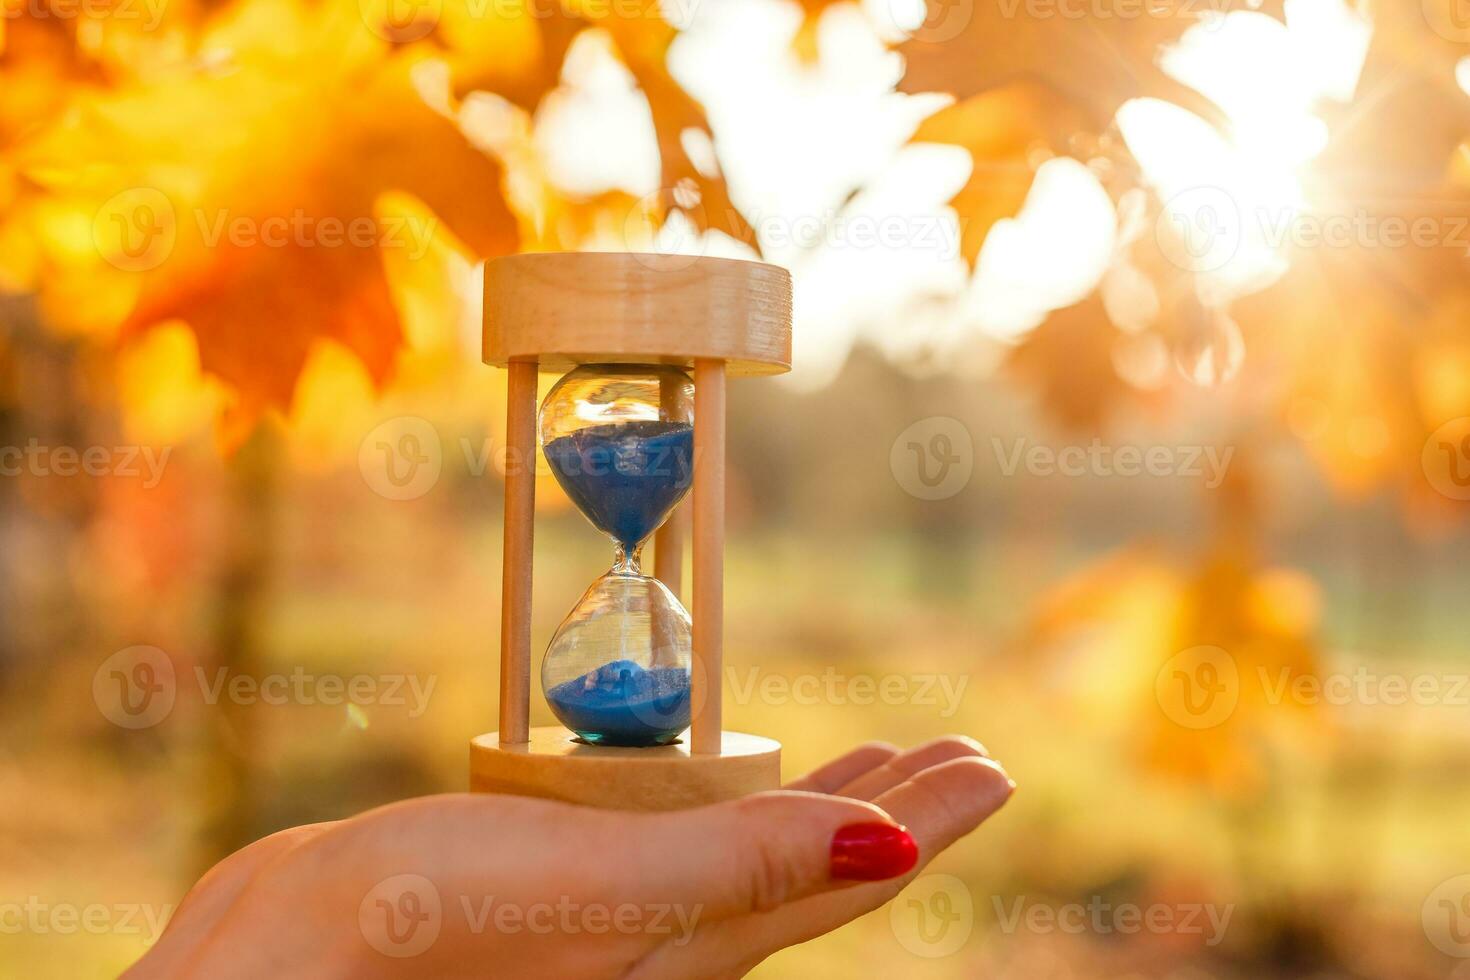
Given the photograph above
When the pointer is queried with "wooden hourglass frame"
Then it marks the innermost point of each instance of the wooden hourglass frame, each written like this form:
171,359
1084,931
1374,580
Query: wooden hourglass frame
553,312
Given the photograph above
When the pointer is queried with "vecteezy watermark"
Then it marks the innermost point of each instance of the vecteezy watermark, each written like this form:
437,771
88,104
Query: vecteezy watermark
1208,12
1363,686
1200,687
34,459
148,12
941,691
933,458
406,21
401,458
35,915
1446,916
401,916
300,687
931,21
404,915
138,229
933,917
837,230
299,229
137,688
1446,459
1202,228
1208,463
1450,19
1101,917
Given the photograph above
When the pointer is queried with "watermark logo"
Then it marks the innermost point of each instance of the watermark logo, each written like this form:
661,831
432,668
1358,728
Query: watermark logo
934,458
1446,917
136,229
662,228
401,916
1446,459
1450,19
1199,229
933,917
401,21
135,688
402,458
1202,229
931,21
1198,688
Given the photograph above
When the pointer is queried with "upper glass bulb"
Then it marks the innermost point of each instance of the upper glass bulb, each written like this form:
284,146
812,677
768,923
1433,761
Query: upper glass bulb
620,439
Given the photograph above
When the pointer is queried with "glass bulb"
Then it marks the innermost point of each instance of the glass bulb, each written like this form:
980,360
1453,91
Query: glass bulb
620,441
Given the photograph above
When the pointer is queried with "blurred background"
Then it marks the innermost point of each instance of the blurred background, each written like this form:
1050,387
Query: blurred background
1129,432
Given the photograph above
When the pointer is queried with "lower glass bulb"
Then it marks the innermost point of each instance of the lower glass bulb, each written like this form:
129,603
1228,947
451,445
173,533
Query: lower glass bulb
617,670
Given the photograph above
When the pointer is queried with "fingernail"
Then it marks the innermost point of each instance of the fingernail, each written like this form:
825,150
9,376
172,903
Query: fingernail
872,852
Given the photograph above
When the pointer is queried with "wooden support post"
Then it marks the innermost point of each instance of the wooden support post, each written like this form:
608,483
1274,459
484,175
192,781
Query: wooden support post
520,520
668,551
709,554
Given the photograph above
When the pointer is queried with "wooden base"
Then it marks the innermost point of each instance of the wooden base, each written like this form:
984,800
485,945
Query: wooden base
553,765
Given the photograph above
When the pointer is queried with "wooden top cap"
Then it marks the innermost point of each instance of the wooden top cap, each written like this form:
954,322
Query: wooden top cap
562,309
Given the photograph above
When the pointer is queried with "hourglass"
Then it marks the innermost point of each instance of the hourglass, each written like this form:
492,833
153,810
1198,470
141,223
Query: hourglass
620,439
635,424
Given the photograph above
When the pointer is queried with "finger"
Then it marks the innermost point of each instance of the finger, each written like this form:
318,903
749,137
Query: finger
224,881
940,804
212,896
760,852
841,771
895,771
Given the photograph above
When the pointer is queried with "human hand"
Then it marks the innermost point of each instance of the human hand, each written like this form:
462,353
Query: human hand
483,885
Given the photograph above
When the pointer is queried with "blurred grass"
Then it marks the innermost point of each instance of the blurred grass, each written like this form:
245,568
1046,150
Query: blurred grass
1348,843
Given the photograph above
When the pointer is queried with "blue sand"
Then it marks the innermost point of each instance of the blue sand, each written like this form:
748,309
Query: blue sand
625,476
621,703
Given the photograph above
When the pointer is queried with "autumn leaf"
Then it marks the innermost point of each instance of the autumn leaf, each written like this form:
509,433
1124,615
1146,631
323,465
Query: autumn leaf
1068,361
242,201
690,183
1185,660
1007,131
1095,60
237,185
1033,77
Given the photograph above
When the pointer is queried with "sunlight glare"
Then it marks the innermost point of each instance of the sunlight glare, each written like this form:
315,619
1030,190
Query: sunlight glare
1243,189
598,105
1049,256
797,141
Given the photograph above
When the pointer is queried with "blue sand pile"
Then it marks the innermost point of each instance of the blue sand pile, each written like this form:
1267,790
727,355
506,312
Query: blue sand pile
625,476
621,703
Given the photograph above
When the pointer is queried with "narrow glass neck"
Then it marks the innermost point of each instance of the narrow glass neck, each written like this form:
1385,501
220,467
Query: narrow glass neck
625,562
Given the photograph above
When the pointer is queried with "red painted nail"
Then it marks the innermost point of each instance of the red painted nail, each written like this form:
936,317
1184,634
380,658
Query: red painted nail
872,852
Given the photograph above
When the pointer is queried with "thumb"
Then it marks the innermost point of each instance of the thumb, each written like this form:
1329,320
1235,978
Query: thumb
762,851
